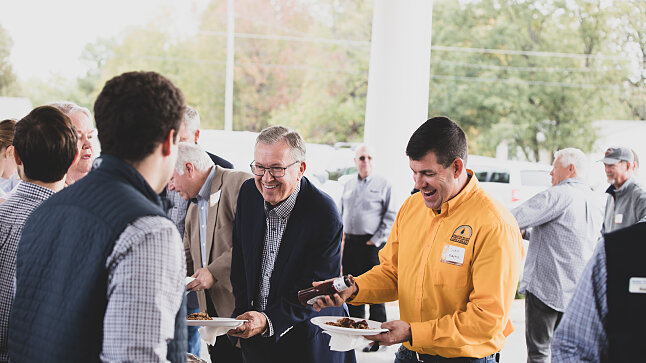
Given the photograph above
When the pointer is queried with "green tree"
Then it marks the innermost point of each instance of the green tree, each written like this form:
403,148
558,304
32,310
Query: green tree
8,85
534,103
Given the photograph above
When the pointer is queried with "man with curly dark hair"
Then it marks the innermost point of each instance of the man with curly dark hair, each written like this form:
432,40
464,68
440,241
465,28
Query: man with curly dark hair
100,268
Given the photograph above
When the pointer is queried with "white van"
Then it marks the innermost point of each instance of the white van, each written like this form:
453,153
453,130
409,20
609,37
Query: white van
510,182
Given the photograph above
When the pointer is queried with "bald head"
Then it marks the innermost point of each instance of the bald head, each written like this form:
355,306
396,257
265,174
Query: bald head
363,160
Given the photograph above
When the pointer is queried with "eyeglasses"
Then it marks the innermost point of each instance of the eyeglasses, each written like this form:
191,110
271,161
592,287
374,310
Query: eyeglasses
275,171
363,157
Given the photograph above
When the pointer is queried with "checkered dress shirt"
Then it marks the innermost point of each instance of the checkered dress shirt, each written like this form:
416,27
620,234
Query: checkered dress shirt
146,272
177,213
276,219
13,214
566,221
581,334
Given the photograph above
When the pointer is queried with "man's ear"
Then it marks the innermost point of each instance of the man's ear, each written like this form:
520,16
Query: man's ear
190,169
168,142
17,159
197,135
458,165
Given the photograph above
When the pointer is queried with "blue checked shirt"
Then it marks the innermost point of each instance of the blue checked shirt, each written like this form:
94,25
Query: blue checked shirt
275,222
581,335
13,214
566,221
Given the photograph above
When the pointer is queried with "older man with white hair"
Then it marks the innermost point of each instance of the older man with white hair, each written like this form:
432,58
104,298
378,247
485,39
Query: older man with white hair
208,234
86,133
566,222
190,132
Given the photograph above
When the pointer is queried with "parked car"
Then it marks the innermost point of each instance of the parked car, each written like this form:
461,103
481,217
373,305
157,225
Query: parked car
510,182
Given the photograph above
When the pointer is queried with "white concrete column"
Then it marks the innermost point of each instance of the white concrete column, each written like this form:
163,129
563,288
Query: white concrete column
228,87
398,85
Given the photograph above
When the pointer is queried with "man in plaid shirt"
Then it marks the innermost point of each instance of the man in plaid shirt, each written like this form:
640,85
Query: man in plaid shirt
44,148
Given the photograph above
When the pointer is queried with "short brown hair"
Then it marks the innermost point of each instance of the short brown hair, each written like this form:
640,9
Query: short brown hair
45,141
134,113
7,128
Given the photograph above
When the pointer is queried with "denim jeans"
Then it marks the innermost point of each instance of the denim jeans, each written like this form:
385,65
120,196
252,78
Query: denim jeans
404,355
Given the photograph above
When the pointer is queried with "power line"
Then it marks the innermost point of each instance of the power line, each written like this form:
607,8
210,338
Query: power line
445,48
520,69
536,83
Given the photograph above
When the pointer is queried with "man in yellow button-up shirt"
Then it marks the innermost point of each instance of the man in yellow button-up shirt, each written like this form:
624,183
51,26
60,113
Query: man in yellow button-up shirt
452,259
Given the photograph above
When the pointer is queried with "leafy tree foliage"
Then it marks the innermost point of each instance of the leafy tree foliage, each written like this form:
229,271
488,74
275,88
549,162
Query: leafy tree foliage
8,84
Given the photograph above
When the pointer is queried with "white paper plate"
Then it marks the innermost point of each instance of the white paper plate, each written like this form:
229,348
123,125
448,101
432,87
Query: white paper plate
217,322
188,280
374,326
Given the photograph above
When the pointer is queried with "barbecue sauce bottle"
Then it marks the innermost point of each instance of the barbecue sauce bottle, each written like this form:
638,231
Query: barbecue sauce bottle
308,297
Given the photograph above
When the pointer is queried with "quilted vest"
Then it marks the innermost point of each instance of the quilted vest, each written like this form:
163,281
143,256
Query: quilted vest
60,271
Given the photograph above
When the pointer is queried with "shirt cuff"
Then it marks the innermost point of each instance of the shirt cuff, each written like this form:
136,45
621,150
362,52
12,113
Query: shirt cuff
270,328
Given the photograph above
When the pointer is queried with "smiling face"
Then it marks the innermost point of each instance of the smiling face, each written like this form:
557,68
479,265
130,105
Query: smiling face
86,134
275,190
437,183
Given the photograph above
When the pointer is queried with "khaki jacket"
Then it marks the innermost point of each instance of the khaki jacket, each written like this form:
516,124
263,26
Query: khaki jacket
222,209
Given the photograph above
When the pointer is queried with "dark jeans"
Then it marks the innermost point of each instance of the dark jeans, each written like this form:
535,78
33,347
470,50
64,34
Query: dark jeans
404,355
358,258
223,351
540,323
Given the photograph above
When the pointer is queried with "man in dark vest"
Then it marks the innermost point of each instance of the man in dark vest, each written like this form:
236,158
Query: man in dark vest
605,319
100,268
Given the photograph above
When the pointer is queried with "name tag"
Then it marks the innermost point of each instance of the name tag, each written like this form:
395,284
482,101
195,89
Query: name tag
619,218
453,255
215,197
637,285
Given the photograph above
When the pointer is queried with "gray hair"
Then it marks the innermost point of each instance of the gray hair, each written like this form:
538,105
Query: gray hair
188,152
575,157
68,108
191,120
277,134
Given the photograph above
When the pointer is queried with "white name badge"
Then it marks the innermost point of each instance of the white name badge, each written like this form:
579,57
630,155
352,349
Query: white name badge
453,255
637,285
215,197
619,218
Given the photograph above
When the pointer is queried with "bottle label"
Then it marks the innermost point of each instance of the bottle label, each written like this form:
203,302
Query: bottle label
313,300
339,285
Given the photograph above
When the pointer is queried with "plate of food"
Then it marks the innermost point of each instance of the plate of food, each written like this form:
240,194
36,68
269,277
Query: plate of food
350,326
203,319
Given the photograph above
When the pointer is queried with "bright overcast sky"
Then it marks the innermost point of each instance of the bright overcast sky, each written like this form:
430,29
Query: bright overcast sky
49,35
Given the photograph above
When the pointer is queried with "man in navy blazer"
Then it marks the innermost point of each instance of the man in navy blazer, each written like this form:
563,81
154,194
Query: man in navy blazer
286,235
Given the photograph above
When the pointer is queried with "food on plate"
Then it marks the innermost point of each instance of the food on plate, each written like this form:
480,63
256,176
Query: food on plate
349,323
198,316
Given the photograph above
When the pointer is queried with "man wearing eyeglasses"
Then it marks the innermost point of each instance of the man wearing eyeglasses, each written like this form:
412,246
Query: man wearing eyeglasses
82,121
286,235
367,217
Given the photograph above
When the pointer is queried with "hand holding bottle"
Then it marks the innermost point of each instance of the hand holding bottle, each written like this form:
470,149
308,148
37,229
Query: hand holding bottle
336,298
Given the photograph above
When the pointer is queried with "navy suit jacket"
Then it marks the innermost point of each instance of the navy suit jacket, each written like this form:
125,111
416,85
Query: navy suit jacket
310,250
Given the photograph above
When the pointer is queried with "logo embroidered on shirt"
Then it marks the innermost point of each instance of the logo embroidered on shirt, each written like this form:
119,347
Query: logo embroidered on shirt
462,235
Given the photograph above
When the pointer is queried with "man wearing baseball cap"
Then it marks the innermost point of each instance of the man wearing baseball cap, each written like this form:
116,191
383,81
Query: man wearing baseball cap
626,198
